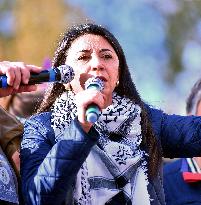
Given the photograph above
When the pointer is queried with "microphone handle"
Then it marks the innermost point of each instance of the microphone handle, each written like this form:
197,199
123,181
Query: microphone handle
92,113
51,75
45,76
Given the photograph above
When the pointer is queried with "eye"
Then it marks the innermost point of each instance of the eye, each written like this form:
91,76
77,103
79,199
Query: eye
84,57
107,56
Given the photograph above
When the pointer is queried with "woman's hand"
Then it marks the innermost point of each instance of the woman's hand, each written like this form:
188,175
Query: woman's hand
83,99
17,73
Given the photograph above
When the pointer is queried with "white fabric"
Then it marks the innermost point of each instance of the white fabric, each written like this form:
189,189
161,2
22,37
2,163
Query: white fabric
96,179
193,165
140,193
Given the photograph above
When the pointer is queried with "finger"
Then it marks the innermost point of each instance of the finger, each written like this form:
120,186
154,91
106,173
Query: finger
23,88
25,73
96,97
35,69
6,92
27,88
10,73
98,100
3,66
81,115
18,77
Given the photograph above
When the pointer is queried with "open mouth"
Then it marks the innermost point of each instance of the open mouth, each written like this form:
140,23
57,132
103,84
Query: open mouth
102,78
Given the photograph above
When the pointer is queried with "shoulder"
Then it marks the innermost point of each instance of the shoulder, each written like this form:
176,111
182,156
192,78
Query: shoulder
158,114
39,120
38,125
41,117
156,118
152,111
38,130
155,115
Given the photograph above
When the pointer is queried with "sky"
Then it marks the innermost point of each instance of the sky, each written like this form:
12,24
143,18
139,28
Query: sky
141,28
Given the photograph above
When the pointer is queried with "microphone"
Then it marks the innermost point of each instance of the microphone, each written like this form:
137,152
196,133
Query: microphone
93,111
62,74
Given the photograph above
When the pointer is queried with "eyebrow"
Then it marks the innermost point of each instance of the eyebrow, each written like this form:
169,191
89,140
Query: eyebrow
105,49
102,50
84,51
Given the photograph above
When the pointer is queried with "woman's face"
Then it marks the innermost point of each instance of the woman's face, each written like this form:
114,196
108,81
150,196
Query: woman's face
92,56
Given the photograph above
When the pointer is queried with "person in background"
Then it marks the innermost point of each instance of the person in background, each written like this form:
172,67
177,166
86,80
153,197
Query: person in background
11,131
116,160
23,105
182,178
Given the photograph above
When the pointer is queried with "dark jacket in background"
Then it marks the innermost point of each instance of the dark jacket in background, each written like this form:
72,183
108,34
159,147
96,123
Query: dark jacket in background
177,191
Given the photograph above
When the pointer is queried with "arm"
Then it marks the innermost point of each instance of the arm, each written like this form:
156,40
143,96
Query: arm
49,171
181,136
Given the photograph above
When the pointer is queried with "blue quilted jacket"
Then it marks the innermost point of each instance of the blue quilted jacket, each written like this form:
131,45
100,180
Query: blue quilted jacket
49,168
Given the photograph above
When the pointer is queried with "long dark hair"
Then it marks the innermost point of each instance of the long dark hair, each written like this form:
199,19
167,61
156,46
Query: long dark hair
125,88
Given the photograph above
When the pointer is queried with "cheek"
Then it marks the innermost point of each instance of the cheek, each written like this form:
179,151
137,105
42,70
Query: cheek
114,76
114,72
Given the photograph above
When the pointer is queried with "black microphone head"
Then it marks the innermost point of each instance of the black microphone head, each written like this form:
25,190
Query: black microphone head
94,83
67,73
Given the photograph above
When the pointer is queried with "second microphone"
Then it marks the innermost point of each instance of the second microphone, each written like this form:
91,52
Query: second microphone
62,74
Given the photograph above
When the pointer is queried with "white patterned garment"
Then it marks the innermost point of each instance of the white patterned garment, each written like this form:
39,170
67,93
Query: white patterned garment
8,181
115,169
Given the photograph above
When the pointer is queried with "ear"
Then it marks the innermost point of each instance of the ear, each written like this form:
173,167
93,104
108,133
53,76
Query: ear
117,83
118,75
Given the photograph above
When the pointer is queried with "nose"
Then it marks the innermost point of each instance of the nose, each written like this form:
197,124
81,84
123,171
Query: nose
96,64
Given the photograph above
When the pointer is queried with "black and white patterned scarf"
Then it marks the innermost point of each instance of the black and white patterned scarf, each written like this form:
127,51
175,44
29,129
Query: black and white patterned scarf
115,171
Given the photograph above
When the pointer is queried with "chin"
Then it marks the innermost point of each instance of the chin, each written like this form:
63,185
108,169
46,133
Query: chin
108,91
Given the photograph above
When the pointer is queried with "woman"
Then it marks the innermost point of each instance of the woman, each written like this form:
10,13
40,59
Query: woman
66,160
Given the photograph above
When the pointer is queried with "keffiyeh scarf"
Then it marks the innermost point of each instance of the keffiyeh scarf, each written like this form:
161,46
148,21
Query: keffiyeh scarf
115,171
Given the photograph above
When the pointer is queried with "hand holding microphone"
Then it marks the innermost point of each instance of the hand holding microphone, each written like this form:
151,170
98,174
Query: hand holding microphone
16,77
62,74
15,73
